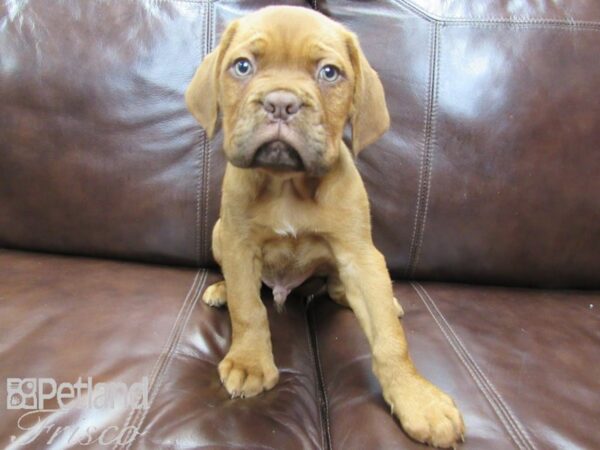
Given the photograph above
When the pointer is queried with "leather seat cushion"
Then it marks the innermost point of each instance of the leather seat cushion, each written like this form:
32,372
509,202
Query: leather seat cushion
520,363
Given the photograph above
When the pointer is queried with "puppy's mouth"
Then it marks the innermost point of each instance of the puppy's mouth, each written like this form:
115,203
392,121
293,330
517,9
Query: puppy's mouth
278,156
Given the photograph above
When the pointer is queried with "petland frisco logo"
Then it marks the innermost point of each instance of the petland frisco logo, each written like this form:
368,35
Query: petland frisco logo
36,393
40,397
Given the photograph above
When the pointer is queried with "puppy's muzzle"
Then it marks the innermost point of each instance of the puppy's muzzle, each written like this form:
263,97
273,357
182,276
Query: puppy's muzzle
279,156
276,154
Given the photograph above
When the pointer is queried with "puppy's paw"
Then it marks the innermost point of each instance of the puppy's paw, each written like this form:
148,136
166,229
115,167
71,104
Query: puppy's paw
427,414
215,294
399,310
247,377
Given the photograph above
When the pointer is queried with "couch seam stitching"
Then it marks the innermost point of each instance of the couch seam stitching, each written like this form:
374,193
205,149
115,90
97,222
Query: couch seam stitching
307,329
428,94
523,26
154,389
208,45
201,163
320,383
192,2
198,237
504,413
153,373
425,169
431,145
312,354
511,20
320,369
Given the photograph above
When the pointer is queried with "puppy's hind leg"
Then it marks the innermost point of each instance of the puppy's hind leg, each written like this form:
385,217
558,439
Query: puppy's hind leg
398,307
337,293
215,294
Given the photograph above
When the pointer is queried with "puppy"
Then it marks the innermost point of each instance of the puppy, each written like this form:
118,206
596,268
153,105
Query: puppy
283,83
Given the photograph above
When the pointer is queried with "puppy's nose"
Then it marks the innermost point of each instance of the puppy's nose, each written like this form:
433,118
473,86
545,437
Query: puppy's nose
281,104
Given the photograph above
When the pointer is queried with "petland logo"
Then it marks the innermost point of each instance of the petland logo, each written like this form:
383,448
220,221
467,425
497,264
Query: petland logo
40,397
34,393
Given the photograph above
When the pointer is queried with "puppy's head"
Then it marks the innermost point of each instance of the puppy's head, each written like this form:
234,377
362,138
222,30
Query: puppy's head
285,81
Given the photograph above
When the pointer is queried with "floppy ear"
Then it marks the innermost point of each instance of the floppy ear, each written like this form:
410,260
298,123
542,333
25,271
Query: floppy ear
202,94
369,115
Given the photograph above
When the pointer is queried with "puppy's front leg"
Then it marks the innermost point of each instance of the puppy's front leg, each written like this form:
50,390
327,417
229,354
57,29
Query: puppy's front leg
425,412
248,368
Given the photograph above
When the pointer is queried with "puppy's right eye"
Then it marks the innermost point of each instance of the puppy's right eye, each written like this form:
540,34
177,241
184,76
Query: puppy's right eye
242,67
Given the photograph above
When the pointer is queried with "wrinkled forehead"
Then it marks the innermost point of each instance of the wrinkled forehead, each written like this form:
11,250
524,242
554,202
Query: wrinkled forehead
291,36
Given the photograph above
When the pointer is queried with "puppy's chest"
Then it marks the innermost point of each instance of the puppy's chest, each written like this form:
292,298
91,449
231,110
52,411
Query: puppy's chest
289,227
285,217
287,262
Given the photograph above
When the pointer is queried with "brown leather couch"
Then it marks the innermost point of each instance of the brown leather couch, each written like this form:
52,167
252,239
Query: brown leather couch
489,176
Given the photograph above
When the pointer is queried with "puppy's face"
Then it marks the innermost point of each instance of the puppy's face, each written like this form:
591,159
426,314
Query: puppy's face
286,81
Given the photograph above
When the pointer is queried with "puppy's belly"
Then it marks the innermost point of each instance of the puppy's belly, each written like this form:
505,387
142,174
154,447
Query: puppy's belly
289,262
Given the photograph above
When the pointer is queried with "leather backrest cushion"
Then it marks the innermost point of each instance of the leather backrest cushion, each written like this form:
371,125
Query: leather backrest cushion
491,169
489,172
98,152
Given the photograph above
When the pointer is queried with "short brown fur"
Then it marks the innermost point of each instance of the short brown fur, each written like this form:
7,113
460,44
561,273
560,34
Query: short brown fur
316,221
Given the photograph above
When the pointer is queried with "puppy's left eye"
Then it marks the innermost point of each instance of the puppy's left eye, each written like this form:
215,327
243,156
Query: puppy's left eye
329,73
242,67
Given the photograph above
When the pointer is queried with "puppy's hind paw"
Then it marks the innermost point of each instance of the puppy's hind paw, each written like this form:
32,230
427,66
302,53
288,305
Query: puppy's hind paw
215,294
399,310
